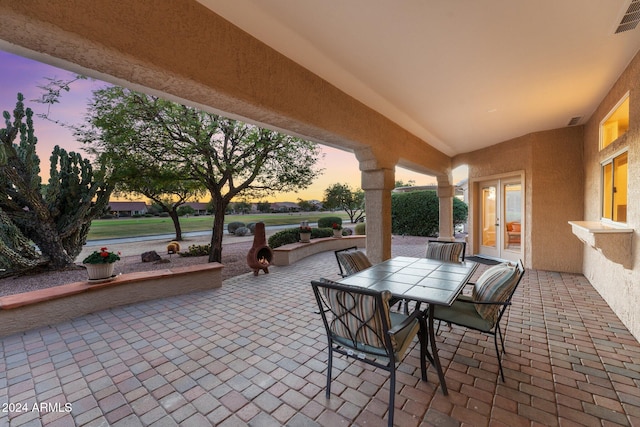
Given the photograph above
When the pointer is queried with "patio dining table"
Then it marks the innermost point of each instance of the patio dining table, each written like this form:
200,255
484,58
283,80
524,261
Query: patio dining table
422,280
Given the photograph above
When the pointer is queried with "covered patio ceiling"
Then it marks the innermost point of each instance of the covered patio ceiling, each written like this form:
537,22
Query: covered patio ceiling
461,75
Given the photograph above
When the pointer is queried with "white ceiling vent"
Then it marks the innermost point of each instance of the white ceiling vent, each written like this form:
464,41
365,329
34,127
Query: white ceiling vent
574,121
631,17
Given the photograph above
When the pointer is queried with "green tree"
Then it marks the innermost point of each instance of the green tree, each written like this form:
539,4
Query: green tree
340,196
162,183
401,183
185,210
242,207
263,207
229,158
306,205
460,211
56,219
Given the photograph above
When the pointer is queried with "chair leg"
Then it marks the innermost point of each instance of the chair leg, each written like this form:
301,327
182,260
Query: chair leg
392,393
329,366
439,324
422,339
499,356
501,339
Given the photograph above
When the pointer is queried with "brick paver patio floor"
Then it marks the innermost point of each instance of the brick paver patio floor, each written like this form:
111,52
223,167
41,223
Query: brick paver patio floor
254,353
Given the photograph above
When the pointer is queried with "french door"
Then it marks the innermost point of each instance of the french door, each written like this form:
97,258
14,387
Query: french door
501,218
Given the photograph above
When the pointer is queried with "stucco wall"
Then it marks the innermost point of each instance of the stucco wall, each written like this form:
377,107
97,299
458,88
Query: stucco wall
618,285
552,165
557,182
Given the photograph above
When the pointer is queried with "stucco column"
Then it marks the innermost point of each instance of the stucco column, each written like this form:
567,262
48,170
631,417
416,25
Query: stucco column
377,186
446,192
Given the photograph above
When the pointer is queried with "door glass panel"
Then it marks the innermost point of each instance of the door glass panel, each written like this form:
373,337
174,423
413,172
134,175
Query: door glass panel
489,216
513,216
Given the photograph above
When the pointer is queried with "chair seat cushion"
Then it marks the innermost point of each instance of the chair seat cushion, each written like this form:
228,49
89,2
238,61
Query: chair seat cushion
402,339
463,314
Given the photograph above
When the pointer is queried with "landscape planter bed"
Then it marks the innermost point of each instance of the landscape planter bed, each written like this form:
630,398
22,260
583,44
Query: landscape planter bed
29,310
288,254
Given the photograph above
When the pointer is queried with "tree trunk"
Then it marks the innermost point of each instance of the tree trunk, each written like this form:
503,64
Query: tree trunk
176,224
218,231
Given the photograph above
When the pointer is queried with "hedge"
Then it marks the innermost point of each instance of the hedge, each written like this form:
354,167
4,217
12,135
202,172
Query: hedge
328,221
417,213
292,235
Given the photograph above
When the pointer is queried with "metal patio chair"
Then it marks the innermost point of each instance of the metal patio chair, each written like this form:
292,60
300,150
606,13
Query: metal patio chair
483,310
351,260
359,325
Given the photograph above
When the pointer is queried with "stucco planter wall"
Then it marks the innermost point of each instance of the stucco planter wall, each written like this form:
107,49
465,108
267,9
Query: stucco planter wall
49,306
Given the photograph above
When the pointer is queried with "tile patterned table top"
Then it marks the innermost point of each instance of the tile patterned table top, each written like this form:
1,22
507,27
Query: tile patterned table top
419,279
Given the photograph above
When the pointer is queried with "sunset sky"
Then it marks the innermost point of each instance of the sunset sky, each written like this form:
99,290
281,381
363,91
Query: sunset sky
19,74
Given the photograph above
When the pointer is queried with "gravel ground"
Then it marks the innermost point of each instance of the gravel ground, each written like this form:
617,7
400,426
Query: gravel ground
234,259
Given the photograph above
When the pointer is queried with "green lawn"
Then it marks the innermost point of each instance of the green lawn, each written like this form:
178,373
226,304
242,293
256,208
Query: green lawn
132,227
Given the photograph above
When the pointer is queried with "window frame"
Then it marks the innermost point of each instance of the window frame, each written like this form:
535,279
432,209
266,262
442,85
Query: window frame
610,160
611,112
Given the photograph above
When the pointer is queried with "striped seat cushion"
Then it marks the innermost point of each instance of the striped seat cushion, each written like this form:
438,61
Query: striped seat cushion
450,251
356,317
354,261
495,284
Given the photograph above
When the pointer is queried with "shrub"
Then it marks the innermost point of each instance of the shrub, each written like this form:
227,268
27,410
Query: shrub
417,213
242,231
361,228
327,222
321,232
233,226
163,214
284,237
197,250
252,227
292,235
185,210
347,232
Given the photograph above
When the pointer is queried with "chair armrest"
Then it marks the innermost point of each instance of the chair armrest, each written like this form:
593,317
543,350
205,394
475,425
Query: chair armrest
468,300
